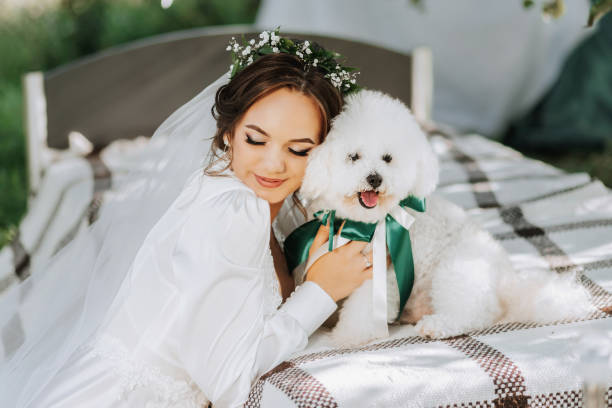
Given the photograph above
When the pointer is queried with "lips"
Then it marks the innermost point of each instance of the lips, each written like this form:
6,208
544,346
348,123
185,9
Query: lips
368,199
269,182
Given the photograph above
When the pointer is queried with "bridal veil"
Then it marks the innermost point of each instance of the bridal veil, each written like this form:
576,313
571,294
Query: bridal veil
59,309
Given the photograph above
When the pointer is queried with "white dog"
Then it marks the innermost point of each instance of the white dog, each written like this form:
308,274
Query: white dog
374,156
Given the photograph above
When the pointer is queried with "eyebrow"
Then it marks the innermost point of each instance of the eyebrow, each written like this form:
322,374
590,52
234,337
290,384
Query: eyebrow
260,130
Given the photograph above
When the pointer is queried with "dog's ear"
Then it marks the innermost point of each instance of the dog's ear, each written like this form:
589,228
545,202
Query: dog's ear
427,169
317,175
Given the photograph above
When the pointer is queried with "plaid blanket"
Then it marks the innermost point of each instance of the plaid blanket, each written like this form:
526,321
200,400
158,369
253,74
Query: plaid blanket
543,217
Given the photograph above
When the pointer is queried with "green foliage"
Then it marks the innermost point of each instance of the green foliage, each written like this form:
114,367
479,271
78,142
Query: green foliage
598,9
12,157
44,38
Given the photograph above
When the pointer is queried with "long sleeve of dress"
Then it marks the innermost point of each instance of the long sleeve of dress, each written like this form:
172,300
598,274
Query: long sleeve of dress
226,335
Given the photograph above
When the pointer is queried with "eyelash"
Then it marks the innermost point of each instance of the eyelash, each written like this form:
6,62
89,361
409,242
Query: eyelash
253,142
297,153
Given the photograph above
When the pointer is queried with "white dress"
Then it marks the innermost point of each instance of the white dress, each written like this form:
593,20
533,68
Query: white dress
201,321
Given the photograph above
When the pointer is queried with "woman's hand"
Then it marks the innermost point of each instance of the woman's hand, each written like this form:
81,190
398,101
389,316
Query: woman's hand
342,270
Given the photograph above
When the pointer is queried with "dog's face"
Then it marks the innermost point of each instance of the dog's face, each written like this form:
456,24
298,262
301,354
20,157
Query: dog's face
374,156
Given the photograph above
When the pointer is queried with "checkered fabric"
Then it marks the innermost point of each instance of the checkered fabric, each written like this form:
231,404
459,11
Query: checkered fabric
543,217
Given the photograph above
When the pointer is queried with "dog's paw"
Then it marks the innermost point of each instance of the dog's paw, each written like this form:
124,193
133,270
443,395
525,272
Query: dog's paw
341,340
350,338
437,327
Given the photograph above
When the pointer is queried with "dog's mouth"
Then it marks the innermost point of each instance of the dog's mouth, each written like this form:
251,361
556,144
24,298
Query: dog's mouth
368,199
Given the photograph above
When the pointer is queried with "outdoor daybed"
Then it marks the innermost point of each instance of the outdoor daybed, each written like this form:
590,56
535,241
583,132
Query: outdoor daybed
543,216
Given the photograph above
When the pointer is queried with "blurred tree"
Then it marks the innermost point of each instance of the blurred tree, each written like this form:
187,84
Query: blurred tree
89,19
41,36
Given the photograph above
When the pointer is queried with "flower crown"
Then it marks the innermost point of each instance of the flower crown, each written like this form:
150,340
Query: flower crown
342,77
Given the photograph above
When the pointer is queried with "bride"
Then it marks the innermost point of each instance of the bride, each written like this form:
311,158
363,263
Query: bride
179,294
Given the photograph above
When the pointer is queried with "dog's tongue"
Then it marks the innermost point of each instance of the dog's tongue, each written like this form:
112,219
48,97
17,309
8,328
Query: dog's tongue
369,198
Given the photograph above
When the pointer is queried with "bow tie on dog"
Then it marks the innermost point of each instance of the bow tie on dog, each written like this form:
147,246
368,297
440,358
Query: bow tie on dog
396,238
374,157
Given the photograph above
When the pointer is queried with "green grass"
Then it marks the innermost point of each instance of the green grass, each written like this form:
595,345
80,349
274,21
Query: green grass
597,164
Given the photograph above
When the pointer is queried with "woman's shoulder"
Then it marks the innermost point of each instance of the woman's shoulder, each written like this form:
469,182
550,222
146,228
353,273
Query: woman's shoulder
223,193
227,214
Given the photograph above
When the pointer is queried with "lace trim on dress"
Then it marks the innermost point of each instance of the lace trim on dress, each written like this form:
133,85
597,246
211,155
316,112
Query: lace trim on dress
274,298
280,237
135,374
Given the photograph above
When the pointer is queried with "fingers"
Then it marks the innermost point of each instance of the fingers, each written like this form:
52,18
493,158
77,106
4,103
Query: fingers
319,239
368,272
322,236
341,226
366,259
355,246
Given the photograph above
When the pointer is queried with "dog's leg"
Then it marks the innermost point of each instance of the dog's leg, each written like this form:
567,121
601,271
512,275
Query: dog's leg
354,325
464,297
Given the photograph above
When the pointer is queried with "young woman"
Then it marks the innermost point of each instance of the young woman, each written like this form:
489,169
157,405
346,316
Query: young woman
207,304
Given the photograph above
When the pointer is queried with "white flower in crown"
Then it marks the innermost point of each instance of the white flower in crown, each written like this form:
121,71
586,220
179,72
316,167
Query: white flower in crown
271,42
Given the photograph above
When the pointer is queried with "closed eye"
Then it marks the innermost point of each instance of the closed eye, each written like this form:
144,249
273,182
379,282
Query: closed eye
387,158
256,143
253,142
300,152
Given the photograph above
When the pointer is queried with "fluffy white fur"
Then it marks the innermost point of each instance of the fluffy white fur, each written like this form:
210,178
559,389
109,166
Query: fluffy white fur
464,279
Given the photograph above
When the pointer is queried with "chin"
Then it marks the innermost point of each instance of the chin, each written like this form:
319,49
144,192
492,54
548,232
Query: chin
272,196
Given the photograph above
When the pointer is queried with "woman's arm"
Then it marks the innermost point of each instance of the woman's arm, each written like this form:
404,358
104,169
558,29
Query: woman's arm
226,336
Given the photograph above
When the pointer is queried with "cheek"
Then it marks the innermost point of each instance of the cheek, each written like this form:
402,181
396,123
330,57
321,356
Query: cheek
244,157
296,167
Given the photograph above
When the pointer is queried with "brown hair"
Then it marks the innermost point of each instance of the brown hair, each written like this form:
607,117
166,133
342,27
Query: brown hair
265,75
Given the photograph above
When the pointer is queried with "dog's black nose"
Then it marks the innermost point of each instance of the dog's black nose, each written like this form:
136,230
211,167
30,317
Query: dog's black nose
374,180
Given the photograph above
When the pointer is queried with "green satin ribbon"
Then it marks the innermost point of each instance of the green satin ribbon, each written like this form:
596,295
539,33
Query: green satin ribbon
298,243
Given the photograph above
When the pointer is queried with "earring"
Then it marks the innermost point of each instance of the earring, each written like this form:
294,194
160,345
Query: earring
227,153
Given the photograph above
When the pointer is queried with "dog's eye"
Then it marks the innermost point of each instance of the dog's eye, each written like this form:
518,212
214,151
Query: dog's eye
387,158
354,156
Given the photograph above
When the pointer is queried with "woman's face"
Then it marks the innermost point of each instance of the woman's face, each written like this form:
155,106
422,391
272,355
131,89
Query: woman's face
272,141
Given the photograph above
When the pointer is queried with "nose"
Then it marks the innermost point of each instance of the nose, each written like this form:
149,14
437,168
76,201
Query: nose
275,162
374,180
